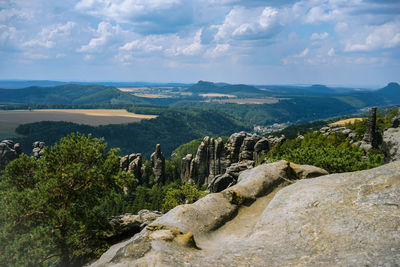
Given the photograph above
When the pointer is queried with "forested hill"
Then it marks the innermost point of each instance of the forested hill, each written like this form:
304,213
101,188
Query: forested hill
69,94
203,87
171,129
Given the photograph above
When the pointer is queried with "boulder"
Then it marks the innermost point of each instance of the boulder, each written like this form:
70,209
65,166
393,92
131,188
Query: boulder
391,144
128,224
347,219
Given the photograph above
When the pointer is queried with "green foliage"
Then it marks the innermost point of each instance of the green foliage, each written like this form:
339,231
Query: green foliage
333,153
185,194
188,148
50,208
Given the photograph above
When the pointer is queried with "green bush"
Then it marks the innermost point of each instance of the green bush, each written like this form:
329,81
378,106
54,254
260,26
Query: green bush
333,153
185,194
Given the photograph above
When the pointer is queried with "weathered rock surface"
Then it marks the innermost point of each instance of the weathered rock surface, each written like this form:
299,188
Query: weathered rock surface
208,162
349,219
129,224
396,120
38,149
185,168
391,144
157,160
8,152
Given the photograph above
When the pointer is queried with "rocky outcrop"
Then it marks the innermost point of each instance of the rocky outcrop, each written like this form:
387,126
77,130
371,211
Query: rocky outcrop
230,177
128,224
348,219
132,163
185,168
208,162
391,144
8,152
216,164
396,119
157,160
391,140
38,149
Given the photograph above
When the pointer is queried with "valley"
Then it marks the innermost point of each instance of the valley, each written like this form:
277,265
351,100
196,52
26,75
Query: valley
11,119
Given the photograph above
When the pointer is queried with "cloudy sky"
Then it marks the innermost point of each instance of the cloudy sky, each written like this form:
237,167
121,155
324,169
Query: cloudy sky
335,42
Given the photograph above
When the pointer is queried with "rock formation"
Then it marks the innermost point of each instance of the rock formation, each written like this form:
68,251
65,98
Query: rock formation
185,168
208,162
347,219
370,137
157,160
391,140
132,163
396,120
128,224
217,165
38,149
8,152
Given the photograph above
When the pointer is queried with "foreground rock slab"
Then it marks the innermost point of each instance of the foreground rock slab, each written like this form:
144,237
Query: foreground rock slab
349,219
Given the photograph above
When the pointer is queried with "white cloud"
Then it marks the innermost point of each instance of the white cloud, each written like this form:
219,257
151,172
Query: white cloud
35,55
303,53
151,43
146,15
6,33
8,13
105,32
379,37
320,14
248,24
331,52
188,49
316,36
218,50
341,27
88,57
48,37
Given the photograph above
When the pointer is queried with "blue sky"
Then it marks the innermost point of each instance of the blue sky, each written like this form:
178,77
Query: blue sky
334,42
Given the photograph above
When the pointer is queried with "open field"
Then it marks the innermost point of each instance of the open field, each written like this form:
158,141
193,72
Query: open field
216,95
10,119
149,95
259,101
343,122
132,89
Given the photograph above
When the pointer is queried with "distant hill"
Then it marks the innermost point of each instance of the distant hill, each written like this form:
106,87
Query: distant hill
203,87
69,94
17,84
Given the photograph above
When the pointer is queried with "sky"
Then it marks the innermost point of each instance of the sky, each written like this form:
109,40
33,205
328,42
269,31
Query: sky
333,42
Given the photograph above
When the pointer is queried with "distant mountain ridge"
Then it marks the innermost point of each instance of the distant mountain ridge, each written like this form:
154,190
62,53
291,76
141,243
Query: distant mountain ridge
69,94
204,87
